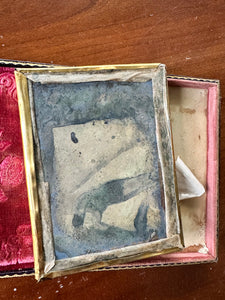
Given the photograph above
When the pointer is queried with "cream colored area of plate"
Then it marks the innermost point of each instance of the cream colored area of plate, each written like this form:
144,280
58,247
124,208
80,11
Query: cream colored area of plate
188,111
105,151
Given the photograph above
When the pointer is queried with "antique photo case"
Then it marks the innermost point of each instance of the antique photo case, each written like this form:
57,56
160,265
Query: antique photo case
99,165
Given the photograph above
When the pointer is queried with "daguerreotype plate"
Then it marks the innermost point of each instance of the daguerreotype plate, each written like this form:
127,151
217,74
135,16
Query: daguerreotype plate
99,165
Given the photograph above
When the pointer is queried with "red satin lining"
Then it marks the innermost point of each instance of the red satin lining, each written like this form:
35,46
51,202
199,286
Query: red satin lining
15,230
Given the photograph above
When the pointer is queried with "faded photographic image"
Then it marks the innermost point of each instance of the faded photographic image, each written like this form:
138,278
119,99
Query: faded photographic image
99,152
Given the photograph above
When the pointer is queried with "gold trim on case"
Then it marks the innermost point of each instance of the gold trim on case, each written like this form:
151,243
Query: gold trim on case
27,138
60,69
104,265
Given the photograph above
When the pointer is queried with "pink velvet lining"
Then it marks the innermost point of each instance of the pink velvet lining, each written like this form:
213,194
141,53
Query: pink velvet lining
212,170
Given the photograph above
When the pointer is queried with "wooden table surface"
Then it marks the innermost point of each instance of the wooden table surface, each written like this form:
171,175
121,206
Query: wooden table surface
189,37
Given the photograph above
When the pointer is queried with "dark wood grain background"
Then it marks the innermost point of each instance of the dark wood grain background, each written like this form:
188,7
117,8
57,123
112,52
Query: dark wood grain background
189,37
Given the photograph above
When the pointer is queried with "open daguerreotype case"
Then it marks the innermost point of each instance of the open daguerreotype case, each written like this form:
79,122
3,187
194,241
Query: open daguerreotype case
99,165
